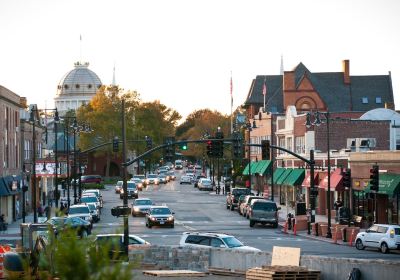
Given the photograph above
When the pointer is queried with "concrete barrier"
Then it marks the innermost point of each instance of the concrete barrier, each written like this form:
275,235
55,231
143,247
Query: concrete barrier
200,259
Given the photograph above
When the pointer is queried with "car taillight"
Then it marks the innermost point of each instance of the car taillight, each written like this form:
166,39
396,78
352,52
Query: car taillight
392,233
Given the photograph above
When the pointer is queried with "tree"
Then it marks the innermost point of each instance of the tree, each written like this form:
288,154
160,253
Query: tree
197,124
103,113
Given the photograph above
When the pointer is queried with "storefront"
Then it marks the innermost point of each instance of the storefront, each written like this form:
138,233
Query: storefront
387,199
306,185
336,190
292,187
259,171
10,197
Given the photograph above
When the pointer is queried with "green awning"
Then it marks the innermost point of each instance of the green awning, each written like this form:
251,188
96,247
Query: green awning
262,167
295,178
284,175
252,168
388,184
277,173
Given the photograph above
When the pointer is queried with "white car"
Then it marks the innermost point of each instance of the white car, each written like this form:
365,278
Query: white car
185,180
381,236
217,240
152,179
118,186
205,184
82,211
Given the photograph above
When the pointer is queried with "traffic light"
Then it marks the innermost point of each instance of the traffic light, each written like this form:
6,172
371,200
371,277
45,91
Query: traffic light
374,177
209,148
169,151
347,179
219,144
237,145
115,144
149,142
183,146
265,150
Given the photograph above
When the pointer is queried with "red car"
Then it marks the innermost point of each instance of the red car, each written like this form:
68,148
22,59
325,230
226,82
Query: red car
86,179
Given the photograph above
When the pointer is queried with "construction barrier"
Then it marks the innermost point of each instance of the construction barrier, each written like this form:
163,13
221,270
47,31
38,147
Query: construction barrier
3,250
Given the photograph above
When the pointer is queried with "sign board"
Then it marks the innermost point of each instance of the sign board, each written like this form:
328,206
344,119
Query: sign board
285,256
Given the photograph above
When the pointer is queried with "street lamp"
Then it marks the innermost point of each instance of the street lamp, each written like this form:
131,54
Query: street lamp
318,122
249,128
56,121
32,119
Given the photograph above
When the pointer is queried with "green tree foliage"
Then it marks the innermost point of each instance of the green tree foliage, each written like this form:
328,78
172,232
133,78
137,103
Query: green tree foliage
197,124
103,113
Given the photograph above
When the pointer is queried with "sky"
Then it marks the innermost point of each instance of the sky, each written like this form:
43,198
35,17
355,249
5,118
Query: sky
184,52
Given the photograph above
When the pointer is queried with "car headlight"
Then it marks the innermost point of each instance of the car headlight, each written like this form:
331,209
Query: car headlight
122,190
152,218
170,218
135,191
136,209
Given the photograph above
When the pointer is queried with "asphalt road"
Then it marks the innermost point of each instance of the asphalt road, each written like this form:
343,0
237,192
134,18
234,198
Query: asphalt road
205,211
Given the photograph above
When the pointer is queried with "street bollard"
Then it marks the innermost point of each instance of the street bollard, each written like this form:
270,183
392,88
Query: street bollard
344,235
316,229
308,227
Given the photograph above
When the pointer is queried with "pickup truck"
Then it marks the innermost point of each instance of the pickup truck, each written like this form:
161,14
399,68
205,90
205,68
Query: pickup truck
232,197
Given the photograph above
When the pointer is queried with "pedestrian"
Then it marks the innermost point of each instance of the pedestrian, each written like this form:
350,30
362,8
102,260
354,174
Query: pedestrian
17,208
47,211
40,210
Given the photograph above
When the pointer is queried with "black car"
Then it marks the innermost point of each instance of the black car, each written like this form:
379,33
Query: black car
159,216
82,227
132,190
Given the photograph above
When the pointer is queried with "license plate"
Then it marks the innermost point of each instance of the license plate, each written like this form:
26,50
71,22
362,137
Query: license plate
161,222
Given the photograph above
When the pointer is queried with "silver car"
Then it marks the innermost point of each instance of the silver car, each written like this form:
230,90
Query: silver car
141,206
263,211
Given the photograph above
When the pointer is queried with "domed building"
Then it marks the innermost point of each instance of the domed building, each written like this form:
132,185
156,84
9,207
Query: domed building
76,88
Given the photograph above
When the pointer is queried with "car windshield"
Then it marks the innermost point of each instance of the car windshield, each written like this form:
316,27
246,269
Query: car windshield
131,185
56,222
143,202
87,199
119,183
240,191
139,176
79,210
264,206
152,176
232,242
92,207
206,182
160,211
91,192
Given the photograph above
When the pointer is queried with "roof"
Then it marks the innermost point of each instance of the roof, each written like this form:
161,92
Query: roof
215,234
338,96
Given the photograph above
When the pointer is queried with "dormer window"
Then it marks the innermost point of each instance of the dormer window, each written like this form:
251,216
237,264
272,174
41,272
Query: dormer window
89,86
77,86
364,100
378,100
66,86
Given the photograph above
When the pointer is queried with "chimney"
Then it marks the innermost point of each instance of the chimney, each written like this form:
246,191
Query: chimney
346,71
23,102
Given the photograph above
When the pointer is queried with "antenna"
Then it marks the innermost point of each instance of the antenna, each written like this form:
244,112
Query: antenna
80,48
282,69
113,79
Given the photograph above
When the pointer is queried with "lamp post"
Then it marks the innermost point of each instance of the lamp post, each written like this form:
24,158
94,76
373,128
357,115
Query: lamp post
74,127
249,128
318,122
56,121
32,119
24,190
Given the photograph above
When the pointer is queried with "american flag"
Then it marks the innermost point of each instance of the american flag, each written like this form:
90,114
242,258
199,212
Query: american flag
264,90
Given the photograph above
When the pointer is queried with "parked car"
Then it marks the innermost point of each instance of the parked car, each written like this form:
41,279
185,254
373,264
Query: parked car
240,201
85,199
118,186
232,197
160,216
185,180
95,192
82,227
218,240
205,184
94,179
263,211
132,191
152,179
382,236
94,211
141,206
81,211
196,181
115,241
246,204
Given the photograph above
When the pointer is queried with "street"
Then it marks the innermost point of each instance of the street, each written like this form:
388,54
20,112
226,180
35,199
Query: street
205,211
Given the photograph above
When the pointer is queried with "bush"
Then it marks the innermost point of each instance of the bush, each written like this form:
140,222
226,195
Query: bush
93,186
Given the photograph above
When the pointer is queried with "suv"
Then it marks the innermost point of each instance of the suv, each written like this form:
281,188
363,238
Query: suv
159,216
132,191
209,239
381,236
263,211
232,198
82,211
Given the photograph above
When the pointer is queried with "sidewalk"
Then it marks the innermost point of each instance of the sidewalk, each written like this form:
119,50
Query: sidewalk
13,231
304,233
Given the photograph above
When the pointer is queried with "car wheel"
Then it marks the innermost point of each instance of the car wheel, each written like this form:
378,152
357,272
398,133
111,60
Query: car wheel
252,223
150,225
133,215
359,245
384,248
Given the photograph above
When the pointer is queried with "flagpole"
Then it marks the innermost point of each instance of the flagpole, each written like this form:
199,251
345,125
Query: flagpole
231,104
264,92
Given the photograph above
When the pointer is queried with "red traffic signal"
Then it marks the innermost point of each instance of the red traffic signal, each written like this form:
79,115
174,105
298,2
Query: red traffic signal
374,178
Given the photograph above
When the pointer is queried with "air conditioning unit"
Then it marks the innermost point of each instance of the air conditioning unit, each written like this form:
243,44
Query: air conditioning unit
366,142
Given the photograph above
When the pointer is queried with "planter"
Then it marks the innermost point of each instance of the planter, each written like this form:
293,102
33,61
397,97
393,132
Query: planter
352,232
339,234
319,227
324,229
315,229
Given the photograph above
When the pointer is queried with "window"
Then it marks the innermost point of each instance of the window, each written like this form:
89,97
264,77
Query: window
89,86
300,145
77,86
378,100
289,144
281,141
382,229
364,100
66,86
215,242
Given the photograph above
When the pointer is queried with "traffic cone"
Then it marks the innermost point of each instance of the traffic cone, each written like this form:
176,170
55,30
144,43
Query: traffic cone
294,230
351,238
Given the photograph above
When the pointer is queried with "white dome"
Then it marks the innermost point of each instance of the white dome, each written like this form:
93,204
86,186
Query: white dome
79,81
382,114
